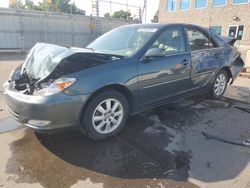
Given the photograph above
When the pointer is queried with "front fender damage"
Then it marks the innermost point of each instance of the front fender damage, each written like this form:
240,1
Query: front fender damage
47,62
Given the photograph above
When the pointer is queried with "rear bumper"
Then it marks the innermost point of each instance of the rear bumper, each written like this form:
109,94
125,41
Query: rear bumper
236,68
45,113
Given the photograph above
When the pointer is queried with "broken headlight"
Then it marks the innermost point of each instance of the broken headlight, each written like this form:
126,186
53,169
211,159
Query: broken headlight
55,87
15,73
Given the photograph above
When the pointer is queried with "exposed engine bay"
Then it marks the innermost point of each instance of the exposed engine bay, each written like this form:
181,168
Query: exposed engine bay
46,63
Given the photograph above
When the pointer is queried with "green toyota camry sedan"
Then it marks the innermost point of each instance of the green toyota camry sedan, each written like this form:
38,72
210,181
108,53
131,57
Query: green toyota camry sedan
125,71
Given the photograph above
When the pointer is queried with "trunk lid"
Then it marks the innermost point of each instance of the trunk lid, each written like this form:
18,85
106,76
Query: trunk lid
229,40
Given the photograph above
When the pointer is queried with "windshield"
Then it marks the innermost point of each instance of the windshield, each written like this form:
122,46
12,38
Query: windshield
124,41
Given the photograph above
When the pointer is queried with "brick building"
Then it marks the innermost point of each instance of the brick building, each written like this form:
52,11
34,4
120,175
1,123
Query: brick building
225,17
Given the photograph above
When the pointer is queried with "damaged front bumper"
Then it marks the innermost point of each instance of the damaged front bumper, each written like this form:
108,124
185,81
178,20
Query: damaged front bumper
45,113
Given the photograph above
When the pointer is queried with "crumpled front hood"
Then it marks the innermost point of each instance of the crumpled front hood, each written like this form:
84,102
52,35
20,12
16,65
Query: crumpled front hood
44,58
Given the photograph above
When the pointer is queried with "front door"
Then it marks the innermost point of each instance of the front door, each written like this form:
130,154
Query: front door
167,76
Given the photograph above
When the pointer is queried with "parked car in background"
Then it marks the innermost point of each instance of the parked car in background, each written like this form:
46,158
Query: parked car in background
125,71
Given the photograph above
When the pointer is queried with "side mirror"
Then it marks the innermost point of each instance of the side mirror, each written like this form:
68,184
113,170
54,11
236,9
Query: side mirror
154,53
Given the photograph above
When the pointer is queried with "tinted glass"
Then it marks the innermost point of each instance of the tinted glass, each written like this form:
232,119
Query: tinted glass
232,31
216,29
185,4
219,2
240,32
200,3
124,41
170,41
239,1
171,5
198,40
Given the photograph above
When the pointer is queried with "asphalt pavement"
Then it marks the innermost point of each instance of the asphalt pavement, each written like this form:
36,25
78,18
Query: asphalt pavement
163,147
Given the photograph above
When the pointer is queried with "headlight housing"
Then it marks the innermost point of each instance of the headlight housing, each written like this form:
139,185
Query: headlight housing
15,73
55,87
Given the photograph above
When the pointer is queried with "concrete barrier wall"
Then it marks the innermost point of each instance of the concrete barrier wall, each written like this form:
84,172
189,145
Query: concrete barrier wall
21,29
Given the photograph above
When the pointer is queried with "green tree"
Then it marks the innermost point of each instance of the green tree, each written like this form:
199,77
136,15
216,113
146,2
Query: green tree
63,6
107,15
76,10
31,6
16,4
122,14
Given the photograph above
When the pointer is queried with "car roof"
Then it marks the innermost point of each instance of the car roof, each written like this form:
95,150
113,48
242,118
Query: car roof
162,25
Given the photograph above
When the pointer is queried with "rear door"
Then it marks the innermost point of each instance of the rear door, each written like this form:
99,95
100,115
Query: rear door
206,57
164,77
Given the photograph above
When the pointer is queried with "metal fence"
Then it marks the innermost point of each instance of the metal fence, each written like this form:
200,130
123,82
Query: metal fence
21,29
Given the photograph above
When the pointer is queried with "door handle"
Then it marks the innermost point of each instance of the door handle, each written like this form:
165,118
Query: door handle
185,62
216,55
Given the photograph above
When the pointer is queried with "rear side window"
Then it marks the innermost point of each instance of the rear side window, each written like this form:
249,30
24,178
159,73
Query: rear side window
198,40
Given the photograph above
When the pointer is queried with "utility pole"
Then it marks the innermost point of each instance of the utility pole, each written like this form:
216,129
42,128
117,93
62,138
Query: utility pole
97,8
95,12
48,2
140,15
144,10
17,4
110,7
71,6
127,8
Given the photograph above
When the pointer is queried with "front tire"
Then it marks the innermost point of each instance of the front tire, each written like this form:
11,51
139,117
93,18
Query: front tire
105,115
219,85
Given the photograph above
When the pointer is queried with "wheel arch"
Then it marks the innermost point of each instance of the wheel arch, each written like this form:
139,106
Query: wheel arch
229,74
117,87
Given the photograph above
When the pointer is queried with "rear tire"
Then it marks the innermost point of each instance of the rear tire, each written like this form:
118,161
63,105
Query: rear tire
105,115
219,85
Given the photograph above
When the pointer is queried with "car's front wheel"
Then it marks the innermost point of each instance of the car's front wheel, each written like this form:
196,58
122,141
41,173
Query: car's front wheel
105,115
219,85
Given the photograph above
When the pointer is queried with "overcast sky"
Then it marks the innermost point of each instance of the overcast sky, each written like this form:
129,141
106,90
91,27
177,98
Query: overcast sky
152,6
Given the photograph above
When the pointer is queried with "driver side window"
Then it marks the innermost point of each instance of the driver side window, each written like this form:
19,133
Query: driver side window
170,41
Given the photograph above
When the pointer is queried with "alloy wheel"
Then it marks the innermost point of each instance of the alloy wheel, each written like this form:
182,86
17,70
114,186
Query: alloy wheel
220,84
107,116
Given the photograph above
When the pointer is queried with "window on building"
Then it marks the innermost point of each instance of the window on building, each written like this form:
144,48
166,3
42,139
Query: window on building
200,3
232,31
240,1
171,5
185,4
236,31
199,41
216,29
240,32
219,2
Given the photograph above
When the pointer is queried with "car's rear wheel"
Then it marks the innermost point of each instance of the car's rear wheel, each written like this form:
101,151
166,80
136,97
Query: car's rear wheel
105,115
219,85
